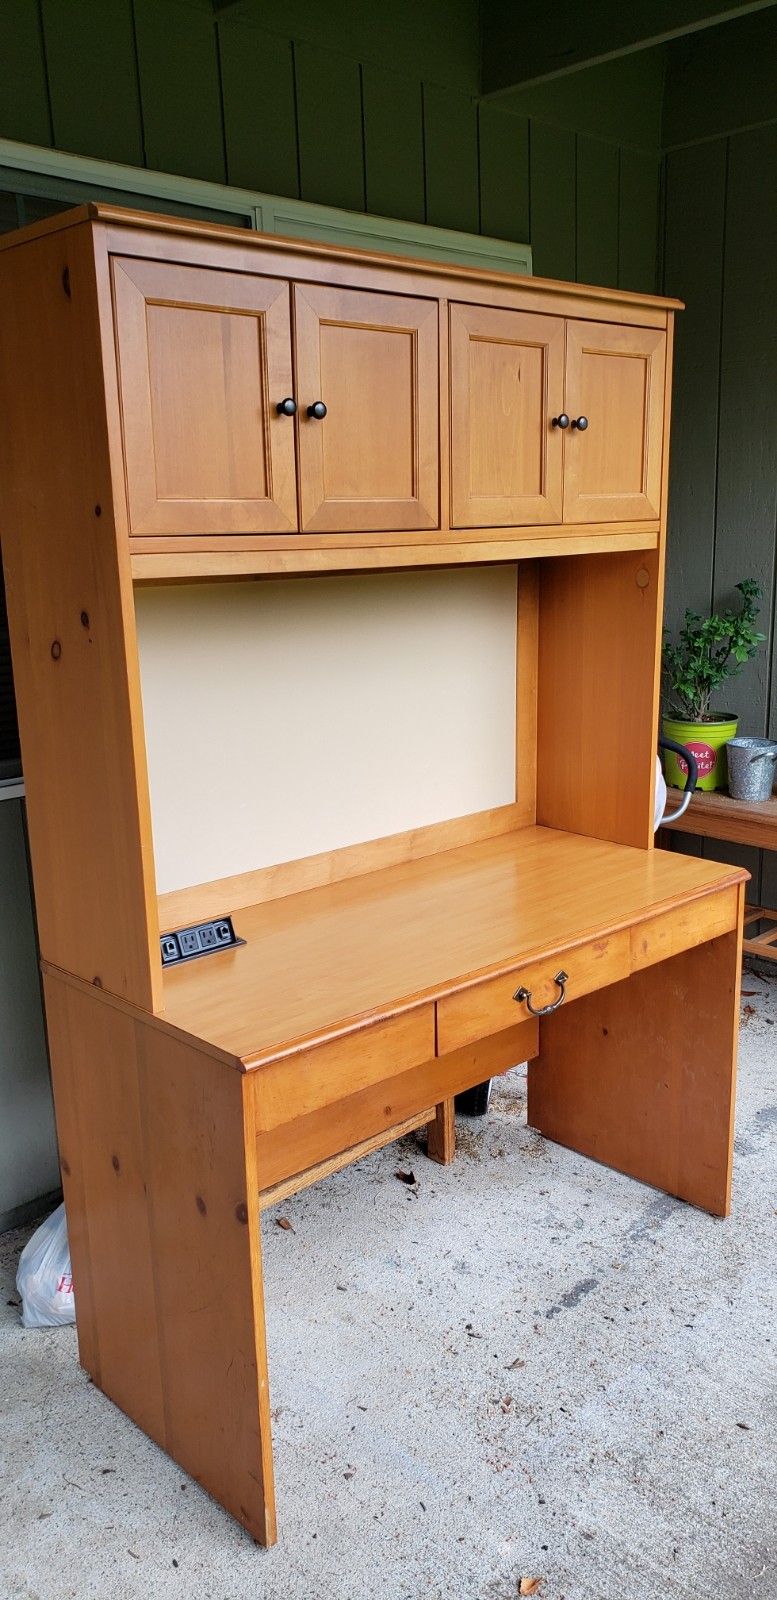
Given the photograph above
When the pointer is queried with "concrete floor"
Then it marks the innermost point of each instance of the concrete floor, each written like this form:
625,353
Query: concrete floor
523,1366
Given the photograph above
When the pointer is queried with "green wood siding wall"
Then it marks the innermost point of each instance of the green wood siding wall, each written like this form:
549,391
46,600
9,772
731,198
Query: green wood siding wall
720,256
361,110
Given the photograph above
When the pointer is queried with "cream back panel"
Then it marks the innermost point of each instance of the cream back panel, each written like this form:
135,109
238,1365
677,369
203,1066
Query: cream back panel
290,717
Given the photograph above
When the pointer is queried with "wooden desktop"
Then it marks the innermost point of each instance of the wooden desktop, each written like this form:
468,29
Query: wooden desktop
193,404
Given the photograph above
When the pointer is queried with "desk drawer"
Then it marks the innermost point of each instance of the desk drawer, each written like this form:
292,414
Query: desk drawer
297,1084
488,1007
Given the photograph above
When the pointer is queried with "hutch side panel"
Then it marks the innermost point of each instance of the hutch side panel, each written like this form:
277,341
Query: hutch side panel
71,617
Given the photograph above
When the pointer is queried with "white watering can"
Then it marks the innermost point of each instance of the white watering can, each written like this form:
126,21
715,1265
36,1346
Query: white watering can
660,813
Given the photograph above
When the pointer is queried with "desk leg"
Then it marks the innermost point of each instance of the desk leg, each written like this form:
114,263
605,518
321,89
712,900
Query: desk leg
441,1134
158,1155
641,1076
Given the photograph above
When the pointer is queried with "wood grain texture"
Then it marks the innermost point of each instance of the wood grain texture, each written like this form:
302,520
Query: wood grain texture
441,1140
372,461
298,1084
717,816
344,1158
506,383
132,232
614,377
642,1075
760,933
527,670
379,1109
321,964
489,1007
184,564
597,727
204,900
72,627
204,358
158,1156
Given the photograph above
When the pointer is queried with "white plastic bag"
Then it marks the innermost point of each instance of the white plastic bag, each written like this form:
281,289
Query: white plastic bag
44,1279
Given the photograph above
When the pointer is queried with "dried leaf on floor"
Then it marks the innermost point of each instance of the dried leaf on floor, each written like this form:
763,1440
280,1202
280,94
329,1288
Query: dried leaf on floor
283,1222
514,1366
529,1585
405,1177
748,1011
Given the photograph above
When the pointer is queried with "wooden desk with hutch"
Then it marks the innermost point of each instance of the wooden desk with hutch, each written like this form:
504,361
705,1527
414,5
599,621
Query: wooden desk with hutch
184,405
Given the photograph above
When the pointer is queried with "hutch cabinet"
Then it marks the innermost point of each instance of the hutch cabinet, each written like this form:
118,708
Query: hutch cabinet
311,857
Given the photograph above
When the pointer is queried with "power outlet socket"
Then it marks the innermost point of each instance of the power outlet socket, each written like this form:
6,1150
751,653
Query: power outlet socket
185,944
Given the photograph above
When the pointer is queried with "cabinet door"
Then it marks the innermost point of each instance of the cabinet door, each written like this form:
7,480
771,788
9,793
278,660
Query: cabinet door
615,378
372,360
204,357
507,384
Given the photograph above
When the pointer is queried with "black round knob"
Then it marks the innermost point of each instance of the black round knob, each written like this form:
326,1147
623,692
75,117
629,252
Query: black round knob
581,423
286,408
561,421
317,410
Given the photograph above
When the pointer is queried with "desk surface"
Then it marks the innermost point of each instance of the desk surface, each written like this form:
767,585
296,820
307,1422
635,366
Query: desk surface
318,963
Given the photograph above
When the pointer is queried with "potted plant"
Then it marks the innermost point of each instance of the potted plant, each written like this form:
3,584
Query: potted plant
709,651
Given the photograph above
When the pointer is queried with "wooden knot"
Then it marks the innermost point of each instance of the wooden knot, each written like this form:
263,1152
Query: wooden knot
115,1163
56,650
241,1211
200,1204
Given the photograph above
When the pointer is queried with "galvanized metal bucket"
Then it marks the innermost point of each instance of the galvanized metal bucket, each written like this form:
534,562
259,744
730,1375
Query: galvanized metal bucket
751,768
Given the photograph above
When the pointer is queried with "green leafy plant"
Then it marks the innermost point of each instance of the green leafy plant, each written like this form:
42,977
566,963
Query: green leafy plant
709,650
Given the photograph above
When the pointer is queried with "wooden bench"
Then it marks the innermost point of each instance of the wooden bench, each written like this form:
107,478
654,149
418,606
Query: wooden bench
717,816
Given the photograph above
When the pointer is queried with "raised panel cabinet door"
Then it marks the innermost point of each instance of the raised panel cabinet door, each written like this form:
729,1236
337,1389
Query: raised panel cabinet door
204,359
371,461
506,387
615,384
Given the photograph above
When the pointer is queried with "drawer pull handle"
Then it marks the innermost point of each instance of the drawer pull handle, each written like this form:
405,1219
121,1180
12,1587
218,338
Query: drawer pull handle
524,995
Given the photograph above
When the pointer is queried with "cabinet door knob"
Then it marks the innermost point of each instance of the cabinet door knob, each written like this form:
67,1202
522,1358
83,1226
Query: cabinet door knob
317,410
286,408
580,422
561,421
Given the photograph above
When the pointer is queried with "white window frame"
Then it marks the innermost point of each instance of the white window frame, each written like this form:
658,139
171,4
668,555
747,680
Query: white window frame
271,213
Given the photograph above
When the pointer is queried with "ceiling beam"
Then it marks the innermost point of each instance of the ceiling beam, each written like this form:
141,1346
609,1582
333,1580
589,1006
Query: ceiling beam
531,42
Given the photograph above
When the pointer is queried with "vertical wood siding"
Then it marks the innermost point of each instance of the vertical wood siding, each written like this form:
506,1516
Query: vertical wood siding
720,256
170,87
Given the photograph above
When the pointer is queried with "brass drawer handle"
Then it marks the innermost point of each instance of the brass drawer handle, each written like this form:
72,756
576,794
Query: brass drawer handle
521,995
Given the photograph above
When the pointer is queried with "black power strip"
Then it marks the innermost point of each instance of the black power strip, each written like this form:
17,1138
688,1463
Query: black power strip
186,944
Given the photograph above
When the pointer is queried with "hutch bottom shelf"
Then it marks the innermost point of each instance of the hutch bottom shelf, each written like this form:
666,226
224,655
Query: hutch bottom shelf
350,1014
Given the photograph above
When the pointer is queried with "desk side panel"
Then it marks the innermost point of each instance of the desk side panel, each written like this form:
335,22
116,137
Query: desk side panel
158,1155
642,1075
